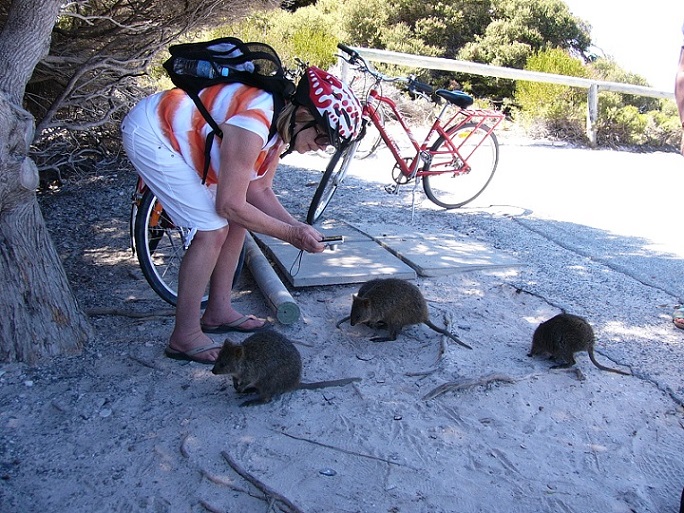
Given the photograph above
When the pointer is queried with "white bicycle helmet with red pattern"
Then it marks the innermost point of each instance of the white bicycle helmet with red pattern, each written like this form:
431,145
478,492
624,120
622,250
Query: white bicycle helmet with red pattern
332,103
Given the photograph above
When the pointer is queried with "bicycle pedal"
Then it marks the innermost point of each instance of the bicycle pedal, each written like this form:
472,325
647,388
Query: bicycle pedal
392,188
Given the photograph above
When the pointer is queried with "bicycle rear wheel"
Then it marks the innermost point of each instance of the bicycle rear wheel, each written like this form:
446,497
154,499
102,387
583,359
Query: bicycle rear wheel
332,177
447,183
160,246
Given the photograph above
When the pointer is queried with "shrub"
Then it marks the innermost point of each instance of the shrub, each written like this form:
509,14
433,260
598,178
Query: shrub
552,109
307,34
663,127
627,125
315,47
364,22
619,125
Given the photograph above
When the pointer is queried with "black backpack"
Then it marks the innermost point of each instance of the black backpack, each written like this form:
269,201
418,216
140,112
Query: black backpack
194,66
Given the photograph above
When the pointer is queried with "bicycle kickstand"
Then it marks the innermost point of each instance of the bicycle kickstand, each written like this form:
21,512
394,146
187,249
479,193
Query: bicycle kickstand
413,198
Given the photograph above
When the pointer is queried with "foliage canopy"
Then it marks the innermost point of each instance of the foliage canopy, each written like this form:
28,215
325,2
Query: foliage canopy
100,52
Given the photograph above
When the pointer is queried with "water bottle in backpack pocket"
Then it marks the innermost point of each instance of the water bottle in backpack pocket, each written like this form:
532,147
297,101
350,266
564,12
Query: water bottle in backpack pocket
199,68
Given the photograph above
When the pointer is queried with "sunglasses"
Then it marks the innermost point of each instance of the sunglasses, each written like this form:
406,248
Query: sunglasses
321,139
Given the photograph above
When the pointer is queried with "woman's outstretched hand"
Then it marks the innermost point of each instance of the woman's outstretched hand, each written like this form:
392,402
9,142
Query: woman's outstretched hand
306,237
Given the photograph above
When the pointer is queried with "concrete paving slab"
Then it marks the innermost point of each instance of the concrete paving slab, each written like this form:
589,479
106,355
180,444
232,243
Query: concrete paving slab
356,260
438,254
372,251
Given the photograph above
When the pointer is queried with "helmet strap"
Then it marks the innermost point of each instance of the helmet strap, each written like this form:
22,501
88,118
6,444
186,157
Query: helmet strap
293,134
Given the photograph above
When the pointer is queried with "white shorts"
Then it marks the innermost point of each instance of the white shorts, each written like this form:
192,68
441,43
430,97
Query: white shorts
189,203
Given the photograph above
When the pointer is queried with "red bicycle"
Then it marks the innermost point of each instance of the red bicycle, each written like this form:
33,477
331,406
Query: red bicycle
455,161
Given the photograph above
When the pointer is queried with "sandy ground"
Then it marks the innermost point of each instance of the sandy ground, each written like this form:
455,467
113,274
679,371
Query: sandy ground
121,428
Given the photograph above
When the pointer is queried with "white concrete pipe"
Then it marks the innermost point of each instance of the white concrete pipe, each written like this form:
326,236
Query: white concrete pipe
282,303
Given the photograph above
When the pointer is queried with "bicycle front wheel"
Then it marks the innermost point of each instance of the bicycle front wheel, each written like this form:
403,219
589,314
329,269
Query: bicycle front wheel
449,183
332,178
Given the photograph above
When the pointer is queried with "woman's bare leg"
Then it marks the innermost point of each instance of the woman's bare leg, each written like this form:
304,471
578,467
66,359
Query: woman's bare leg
219,308
195,272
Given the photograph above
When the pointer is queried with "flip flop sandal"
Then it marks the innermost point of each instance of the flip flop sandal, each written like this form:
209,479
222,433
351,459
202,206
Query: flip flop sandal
236,325
191,356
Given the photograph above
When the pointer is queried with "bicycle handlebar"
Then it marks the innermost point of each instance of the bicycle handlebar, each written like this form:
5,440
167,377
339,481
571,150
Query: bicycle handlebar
413,85
353,55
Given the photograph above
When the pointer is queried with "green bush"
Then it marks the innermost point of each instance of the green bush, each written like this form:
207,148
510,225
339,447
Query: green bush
628,125
617,124
552,109
364,22
663,127
307,34
316,48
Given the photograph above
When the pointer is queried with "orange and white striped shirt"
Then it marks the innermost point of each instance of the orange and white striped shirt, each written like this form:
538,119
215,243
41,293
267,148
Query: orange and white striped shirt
182,124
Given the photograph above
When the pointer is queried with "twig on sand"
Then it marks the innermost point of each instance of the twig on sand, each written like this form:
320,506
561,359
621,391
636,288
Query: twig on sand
462,383
211,477
421,374
219,480
448,321
184,447
352,453
265,489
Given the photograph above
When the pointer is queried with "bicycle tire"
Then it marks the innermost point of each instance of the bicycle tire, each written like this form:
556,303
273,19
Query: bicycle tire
443,184
164,248
332,177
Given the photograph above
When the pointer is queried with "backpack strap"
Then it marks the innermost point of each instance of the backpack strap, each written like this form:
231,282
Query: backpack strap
215,131
278,106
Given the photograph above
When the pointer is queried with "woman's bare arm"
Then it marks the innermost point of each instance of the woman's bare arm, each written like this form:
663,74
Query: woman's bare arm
251,204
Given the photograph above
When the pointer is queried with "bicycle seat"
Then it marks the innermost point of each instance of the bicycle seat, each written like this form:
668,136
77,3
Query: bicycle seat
458,98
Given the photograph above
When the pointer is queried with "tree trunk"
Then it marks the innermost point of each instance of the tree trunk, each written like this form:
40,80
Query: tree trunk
40,316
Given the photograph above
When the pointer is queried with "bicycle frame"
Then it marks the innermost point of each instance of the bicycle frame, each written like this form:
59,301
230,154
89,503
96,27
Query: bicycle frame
410,168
